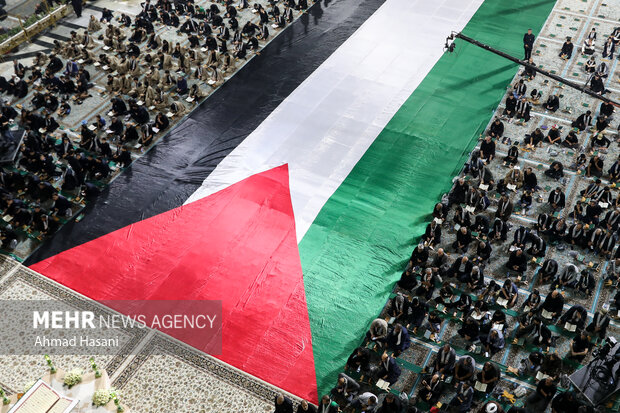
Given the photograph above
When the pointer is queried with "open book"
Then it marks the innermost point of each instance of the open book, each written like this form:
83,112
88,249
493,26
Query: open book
476,316
547,314
480,386
498,326
41,398
382,384
570,327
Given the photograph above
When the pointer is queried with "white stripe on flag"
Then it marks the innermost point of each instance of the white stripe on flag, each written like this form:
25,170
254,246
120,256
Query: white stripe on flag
325,126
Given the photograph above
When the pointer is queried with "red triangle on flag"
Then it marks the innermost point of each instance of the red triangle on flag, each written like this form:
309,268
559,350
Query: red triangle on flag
237,245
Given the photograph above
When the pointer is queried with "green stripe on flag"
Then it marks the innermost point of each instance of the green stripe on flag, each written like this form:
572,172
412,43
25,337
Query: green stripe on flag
358,245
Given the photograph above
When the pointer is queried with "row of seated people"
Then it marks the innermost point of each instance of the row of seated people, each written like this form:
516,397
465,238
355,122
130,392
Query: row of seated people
207,56
447,368
477,327
485,327
462,372
469,380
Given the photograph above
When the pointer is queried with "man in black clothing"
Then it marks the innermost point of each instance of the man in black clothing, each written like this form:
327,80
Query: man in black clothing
567,49
55,64
517,261
504,208
304,407
419,256
77,7
539,400
22,217
579,347
457,195
283,404
523,109
487,147
597,85
418,311
528,44
391,404
557,199
470,330
463,239
497,129
460,266
123,157
346,388
50,123
583,121
139,114
607,109
520,237
601,124
511,105
444,360
118,106
116,126
489,375
61,205
565,402
552,104
553,304
599,324
359,360
595,167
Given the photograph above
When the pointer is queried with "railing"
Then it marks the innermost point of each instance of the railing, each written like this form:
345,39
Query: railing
32,26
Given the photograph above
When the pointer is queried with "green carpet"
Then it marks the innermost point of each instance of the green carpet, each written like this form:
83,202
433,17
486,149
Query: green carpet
358,245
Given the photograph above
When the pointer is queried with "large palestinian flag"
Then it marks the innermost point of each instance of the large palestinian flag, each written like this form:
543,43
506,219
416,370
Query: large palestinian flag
295,193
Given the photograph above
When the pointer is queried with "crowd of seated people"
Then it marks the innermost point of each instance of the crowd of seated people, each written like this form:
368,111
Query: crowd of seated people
449,277
150,82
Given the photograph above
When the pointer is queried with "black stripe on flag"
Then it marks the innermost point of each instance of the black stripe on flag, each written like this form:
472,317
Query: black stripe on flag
170,172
